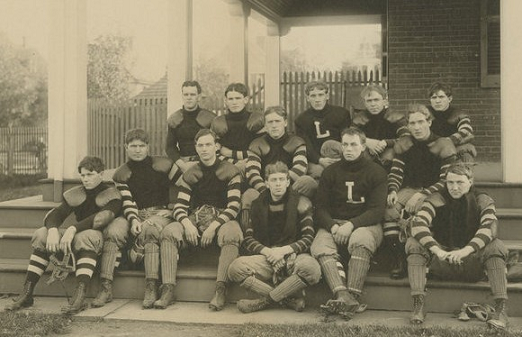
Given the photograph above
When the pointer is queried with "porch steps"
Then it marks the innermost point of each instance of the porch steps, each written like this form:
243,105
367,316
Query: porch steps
196,284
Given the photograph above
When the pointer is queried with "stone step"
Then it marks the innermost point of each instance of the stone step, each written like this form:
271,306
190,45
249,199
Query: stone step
196,284
506,195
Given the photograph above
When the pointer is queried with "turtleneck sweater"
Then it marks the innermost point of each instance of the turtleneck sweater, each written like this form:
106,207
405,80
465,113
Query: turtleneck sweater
352,191
148,187
238,137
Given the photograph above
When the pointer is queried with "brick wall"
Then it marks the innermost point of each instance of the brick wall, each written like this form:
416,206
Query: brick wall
432,40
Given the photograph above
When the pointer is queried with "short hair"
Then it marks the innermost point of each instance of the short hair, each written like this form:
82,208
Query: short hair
278,110
414,108
353,131
237,87
439,86
277,167
136,134
319,85
460,169
91,163
204,132
192,84
374,88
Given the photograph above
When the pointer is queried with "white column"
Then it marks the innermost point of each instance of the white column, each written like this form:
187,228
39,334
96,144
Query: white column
272,76
238,41
511,117
179,50
67,89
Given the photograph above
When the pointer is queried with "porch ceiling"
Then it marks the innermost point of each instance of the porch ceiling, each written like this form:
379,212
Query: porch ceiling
278,9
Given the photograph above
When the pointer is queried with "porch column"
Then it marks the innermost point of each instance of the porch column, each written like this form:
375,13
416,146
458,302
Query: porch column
179,50
272,79
67,90
511,119
238,41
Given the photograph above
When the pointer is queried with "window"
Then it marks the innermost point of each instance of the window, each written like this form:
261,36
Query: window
490,43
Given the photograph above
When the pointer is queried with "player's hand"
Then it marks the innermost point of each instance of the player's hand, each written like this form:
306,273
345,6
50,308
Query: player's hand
67,238
191,232
225,151
325,162
342,235
209,234
440,253
136,227
273,255
415,203
392,198
375,146
53,240
456,256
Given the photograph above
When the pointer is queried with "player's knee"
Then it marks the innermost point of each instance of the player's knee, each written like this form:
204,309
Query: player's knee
173,232
323,244
246,199
306,185
230,234
88,240
495,248
309,270
150,234
237,270
362,237
39,239
117,231
413,246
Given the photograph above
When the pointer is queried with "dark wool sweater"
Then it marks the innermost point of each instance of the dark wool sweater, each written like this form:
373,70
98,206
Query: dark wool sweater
330,121
377,126
148,186
180,140
354,191
85,212
422,167
452,123
238,136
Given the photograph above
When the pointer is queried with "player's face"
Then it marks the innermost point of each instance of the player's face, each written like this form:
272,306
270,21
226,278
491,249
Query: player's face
375,103
352,147
440,101
206,148
275,125
90,179
419,126
190,98
458,185
317,98
235,101
137,150
277,183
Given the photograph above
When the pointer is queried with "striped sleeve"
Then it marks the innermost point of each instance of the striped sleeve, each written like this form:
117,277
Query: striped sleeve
299,161
307,235
421,224
439,185
464,131
396,175
253,172
488,217
129,207
250,243
233,200
181,208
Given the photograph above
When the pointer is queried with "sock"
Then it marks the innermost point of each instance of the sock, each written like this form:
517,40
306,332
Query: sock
85,265
38,262
417,274
228,254
289,286
169,261
257,286
496,270
109,260
151,260
332,269
358,269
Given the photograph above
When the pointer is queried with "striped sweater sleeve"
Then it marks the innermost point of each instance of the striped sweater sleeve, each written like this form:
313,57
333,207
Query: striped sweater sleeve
307,234
181,208
250,243
420,228
299,162
439,185
488,217
233,200
253,172
396,175
464,131
129,207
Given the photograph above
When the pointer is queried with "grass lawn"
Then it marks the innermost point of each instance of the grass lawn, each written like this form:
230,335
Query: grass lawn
19,186
12,193
32,324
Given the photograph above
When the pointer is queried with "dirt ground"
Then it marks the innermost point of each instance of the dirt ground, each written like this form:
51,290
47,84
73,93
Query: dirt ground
153,329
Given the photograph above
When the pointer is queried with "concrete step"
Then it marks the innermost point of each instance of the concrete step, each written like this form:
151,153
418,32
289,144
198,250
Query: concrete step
506,195
196,284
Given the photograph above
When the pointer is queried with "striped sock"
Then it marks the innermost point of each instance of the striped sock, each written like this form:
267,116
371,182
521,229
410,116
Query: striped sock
228,254
332,269
357,269
109,259
152,261
292,284
390,229
417,274
38,262
169,261
496,270
257,286
85,265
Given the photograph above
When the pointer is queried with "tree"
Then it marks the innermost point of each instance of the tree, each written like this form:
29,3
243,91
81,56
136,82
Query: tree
23,86
107,69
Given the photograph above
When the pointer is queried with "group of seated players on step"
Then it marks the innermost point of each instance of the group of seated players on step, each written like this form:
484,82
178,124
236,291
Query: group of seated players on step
317,204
